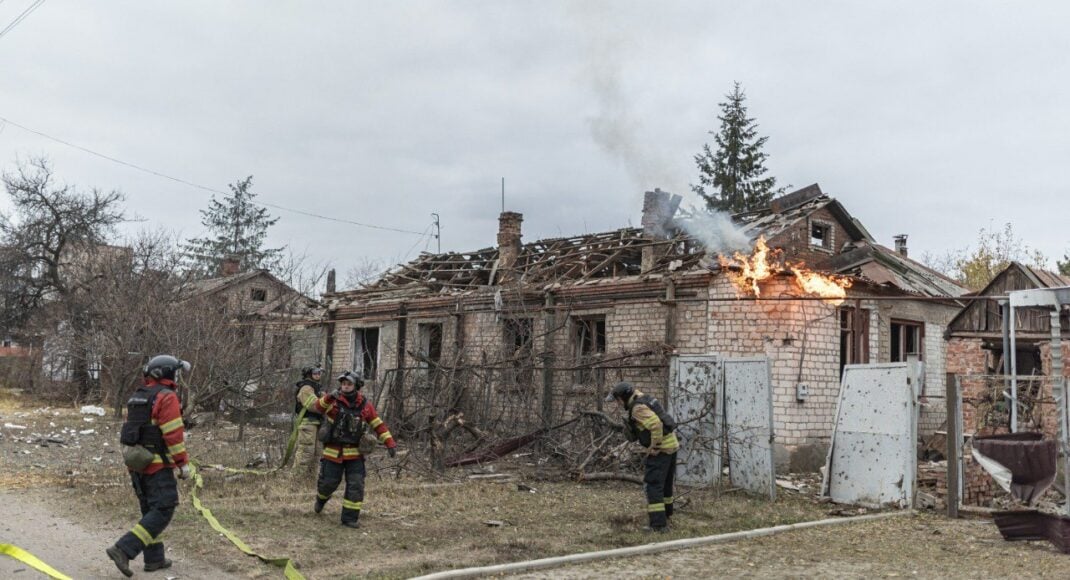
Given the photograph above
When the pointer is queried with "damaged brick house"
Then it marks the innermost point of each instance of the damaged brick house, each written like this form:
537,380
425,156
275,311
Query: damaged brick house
273,314
976,348
547,326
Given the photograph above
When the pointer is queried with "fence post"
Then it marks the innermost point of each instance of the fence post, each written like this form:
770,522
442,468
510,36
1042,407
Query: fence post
550,320
399,378
954,444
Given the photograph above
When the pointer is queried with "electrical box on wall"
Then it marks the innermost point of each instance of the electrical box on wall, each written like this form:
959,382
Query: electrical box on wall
802,392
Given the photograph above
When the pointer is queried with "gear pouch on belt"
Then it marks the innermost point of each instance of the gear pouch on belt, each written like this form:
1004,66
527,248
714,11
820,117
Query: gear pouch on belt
137,457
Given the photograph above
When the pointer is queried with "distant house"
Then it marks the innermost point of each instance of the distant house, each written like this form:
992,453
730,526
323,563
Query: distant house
277,316
522,334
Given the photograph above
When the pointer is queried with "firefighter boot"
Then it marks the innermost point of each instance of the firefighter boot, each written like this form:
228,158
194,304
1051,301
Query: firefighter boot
352,524
122,561
154,566
318,508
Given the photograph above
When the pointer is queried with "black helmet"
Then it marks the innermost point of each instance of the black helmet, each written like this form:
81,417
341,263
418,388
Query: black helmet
622,391
307,372
165,366
351,377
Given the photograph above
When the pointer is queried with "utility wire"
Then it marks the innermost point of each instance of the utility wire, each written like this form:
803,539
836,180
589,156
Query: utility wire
37,4
203,187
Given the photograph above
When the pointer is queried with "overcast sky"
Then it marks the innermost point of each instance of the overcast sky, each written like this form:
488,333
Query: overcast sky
930,119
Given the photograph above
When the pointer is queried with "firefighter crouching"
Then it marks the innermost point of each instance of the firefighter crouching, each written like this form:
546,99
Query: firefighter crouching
153,440
348,414
307,391
647,423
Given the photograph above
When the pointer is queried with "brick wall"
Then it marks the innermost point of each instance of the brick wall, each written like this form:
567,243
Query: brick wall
781,331
795,241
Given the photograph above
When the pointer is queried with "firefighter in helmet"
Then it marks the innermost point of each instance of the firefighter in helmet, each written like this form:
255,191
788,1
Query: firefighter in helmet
647,423
306,392
348,414
153,441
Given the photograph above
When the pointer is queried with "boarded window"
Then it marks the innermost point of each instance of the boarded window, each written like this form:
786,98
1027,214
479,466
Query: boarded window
258,295
907,340
366,352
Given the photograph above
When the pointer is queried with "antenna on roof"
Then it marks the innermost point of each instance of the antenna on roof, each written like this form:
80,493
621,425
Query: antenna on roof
503,195
438,232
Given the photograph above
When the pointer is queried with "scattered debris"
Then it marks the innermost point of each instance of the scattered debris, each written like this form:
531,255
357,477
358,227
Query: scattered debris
494,523
527,488
87,432
14,426
93,410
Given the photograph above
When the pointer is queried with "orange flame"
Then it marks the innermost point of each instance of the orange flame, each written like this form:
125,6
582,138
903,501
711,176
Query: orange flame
747,272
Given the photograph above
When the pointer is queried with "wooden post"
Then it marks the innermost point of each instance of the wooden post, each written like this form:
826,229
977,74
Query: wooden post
954,444
550,320
670,313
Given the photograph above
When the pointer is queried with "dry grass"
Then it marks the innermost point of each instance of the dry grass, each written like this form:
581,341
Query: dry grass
410,525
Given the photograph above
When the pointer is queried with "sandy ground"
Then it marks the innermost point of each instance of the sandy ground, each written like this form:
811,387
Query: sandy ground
30,522
924,546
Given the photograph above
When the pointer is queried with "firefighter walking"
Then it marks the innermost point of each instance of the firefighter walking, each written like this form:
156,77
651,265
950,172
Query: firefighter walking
306,392
153,440
647,423
348,413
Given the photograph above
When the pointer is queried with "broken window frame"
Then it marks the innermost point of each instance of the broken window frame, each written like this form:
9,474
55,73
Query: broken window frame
848,354
898,350
429,337
823,241
589,347
366,358
518,350
258,294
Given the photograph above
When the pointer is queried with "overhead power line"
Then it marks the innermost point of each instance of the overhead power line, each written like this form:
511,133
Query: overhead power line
203,187
25,13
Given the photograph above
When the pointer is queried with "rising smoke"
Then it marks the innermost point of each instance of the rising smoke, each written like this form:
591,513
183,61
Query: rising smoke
620,132
716,231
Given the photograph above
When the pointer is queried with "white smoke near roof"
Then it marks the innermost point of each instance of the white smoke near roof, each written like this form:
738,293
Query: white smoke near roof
715,231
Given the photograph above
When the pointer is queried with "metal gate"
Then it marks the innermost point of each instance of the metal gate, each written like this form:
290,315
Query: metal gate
748,407
695,402
873,457
724,404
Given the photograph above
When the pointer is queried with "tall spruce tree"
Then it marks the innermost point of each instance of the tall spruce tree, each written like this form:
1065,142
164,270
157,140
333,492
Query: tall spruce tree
236,228
732,178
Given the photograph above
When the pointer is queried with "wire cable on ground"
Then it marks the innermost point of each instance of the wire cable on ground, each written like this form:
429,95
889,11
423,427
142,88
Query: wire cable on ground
32,561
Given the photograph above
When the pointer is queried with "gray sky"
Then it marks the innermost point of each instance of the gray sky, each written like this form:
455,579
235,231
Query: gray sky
931,119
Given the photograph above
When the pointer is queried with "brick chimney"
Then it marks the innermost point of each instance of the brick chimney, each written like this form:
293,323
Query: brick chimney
658,209
230,265
508,244
901,244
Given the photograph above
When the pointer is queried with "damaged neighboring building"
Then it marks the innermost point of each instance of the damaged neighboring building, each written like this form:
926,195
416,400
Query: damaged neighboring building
559,320
976,345
282,320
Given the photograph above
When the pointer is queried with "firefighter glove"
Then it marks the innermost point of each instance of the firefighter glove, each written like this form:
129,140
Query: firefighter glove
183,472
392,452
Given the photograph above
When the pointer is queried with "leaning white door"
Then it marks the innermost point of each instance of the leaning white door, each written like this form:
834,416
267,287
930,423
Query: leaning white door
695,404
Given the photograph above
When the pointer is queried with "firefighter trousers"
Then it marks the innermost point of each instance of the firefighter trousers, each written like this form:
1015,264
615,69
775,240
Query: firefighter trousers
658,476
158,495
308,447
331,475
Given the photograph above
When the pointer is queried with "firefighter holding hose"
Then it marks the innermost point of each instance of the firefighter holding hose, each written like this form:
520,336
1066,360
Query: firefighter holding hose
348,414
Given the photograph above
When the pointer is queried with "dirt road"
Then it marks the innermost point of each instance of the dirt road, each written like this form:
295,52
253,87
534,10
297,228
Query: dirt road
924,546
30,522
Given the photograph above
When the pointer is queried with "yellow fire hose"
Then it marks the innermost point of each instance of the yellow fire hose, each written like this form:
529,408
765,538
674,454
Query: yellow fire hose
32,561
286,564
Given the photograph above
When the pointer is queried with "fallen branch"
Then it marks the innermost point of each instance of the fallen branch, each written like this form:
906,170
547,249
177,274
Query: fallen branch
611,476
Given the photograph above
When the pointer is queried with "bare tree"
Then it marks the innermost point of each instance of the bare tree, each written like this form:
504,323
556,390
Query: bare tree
50,246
